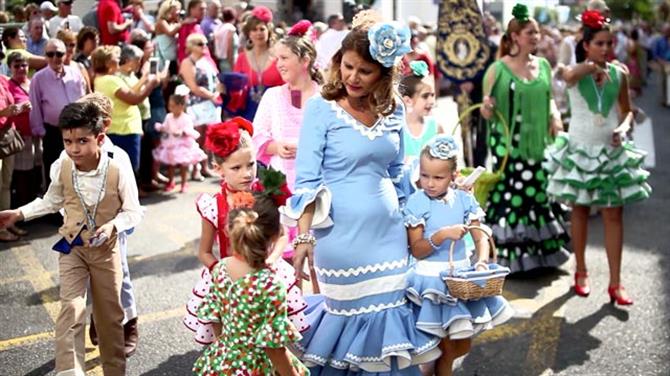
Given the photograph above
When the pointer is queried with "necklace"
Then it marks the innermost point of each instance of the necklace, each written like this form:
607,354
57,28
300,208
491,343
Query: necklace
257,66
598,118
90,216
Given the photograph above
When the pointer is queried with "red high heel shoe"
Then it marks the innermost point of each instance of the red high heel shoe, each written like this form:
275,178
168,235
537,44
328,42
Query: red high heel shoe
580,290
613,292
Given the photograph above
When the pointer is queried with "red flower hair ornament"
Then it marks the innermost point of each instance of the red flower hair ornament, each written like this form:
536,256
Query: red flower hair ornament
300,28
593,19
262,13
224,138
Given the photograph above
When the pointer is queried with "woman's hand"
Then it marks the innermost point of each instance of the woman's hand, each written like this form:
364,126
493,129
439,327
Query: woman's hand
455,232
302,251
488,107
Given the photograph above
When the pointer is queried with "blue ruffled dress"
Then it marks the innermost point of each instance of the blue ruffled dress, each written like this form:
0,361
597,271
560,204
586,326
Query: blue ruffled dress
366,325
438,313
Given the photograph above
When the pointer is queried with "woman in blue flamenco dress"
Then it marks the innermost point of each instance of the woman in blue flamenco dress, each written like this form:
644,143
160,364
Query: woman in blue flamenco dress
349,159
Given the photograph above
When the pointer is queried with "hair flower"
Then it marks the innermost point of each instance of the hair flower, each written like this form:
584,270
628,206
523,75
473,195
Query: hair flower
443,147
273,184
182,90
300,28
224,138
419,68
242,200
262,13
593,19
389,42
520,12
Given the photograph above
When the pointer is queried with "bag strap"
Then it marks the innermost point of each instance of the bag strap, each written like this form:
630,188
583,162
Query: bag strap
492,247
19,85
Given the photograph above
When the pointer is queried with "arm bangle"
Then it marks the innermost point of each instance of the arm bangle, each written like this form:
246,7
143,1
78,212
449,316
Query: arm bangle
430,241
304,238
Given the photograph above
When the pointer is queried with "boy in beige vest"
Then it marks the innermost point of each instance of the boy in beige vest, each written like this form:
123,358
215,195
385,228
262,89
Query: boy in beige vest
99,201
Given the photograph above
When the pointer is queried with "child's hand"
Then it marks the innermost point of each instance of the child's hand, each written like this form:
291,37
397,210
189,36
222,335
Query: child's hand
455,232
286,150
481,266
9,217
107,229
459,183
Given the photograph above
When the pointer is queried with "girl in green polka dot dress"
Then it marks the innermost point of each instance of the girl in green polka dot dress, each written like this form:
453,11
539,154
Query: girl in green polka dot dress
247,302
528,228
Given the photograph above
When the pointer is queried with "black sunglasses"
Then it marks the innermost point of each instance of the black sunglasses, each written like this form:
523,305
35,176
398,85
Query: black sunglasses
22,65
55,53
200,44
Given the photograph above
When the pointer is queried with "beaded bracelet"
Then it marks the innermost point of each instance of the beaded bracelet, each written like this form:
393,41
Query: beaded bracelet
430,241
304,238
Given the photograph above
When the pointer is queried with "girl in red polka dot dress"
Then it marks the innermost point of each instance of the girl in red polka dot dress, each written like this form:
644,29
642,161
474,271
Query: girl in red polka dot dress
235,160
247,302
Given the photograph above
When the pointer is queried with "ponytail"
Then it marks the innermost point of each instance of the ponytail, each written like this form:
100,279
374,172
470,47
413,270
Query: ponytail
252,230
515,26
505,46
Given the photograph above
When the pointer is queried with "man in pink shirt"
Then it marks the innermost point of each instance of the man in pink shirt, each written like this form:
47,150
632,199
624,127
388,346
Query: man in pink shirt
195,12
113,27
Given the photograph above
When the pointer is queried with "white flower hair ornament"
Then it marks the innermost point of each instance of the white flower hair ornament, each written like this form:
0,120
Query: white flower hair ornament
182,90
443,147
389,41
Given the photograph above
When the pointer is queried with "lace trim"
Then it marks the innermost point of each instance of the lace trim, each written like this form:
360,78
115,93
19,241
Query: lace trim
362,289
399,346
390,265
371,133
368,309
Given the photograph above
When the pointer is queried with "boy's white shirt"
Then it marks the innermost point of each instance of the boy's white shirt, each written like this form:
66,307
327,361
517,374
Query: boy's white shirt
131,212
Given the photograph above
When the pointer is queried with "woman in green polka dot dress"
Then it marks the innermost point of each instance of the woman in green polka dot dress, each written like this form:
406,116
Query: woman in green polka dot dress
529,230
247,302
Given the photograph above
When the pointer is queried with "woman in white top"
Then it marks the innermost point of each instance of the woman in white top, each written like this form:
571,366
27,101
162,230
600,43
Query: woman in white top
226,41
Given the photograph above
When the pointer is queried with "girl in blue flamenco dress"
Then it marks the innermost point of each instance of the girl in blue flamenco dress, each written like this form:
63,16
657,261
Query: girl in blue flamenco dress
435,216
349,162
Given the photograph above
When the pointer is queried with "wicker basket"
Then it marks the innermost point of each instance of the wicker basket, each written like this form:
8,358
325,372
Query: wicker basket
465,289
487,181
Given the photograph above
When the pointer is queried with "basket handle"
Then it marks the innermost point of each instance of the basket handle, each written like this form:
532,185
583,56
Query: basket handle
503,121
492,247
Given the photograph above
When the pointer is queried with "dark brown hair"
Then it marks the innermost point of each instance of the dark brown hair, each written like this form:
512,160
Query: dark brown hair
381,99
250,23
251,231
85,34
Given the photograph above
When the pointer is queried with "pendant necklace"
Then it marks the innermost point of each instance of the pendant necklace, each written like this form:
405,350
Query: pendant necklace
90,216
598,118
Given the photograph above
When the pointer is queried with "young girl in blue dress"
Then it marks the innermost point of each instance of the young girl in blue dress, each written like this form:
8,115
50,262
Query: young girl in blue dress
418,94
435,216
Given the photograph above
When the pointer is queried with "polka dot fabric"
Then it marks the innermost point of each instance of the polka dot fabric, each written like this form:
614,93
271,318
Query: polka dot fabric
254,316
529,230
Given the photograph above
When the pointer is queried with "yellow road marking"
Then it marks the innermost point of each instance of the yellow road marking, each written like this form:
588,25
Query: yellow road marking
38,277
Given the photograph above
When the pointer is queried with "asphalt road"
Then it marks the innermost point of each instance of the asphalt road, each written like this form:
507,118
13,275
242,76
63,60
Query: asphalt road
554,332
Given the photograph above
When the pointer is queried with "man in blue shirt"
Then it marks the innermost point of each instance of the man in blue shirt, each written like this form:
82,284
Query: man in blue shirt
37,40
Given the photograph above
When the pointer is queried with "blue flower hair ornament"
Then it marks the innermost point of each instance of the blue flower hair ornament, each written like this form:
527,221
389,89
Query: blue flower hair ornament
389,42
419,68
443,147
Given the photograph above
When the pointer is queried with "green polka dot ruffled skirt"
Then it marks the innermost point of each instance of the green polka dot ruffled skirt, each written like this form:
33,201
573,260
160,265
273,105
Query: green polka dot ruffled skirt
596,175
529,229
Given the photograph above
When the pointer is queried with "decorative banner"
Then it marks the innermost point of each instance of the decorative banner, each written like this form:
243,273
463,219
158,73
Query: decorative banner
462,50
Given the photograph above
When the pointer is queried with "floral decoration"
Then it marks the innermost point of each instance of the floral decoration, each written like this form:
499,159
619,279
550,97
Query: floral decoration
389,42
520,12
300,28
224,138
419,68
242,199
273,184
593,19
262,13
443,147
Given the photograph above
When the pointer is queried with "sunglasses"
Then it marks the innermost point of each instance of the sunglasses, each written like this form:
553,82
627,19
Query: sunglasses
17,66
71,45
200,44
55,53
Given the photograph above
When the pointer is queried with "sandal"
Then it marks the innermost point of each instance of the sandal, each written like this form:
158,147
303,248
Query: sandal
17,231
6,236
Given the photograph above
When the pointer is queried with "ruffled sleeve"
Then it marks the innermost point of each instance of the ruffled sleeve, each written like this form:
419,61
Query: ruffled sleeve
396,168
210,308
472,211
276,330
309,185
206,206
417,210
